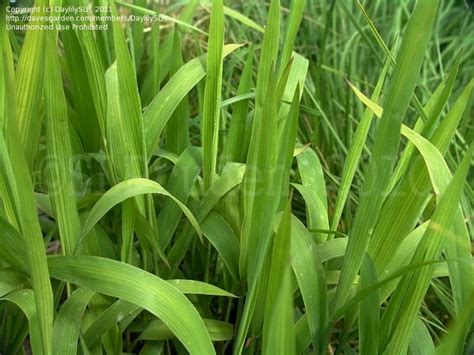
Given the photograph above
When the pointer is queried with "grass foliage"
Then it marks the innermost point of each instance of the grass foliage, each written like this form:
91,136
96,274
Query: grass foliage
241,177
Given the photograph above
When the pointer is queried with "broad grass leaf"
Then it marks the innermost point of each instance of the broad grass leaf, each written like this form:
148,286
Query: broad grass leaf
67,326
122,281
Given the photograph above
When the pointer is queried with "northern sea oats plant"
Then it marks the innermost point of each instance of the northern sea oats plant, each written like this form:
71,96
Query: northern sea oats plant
236,177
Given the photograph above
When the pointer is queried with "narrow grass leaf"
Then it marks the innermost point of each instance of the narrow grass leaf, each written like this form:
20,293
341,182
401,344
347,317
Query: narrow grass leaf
280,338
157,114
177,129
355,151
293,24
309,273
287,138
368,310
233,149
121,192
210,120
278,316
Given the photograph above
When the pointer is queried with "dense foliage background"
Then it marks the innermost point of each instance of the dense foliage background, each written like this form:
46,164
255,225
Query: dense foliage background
281,177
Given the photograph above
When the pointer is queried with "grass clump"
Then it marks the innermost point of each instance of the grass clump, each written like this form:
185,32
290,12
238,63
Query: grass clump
245,178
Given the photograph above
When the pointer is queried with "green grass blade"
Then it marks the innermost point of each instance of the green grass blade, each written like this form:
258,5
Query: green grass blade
312,174
177,129
222,237
29,78
433,109
148,237
287,137
362,293
280,338
457,248
368,310
18,189
88,125
181,181
257,184
309,273
293,24
408,199
457,244
130,103
122,281
210,120
381,43
94,70
399,316
16,176
61,189
386,144
123,191
278,321
138,34
123,156
157,114
234,150
67,326
355,151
